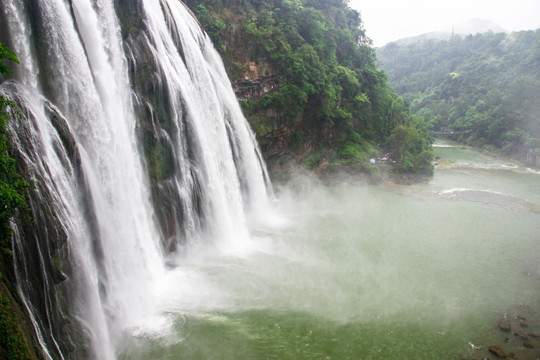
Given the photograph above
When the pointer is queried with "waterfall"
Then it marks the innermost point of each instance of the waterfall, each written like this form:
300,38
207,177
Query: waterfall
137,152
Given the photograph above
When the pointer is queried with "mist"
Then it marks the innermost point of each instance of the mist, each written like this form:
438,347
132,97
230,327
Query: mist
391,271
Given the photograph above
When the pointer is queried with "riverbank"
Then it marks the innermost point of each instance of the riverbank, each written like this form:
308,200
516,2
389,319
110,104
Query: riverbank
521,157
515,330
288,170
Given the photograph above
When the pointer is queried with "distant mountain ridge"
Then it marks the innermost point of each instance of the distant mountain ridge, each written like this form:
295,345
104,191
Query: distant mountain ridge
477,26
467,27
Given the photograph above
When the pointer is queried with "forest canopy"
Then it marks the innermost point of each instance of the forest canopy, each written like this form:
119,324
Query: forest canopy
483,90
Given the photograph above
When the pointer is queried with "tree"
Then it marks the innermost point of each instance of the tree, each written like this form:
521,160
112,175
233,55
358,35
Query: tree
8,54
411,147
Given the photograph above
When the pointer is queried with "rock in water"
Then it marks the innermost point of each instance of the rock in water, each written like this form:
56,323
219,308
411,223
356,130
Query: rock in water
497,351
505,326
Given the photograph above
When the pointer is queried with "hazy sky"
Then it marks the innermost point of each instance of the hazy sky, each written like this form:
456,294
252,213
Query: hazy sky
389,20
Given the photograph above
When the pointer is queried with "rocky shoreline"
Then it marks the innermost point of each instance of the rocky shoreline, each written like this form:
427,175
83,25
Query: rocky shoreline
516,335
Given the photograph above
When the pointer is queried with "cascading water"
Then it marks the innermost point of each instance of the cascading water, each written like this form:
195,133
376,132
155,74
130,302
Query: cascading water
137,150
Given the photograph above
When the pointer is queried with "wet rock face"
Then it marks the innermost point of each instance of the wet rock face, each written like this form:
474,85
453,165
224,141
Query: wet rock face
41,263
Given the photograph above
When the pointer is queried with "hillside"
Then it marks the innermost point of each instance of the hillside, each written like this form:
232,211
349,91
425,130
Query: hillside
307,79
481,90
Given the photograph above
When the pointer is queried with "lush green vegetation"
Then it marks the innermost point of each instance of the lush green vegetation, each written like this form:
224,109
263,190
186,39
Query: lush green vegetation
330,95
12,185
6,54
482,90
13,344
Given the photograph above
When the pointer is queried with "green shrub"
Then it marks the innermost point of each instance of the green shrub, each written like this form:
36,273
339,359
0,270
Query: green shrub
13,345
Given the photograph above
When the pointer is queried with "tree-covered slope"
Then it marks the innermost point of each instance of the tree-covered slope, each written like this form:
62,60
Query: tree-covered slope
483,90
307,79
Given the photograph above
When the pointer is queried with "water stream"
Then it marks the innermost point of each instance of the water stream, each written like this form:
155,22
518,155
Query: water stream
137,152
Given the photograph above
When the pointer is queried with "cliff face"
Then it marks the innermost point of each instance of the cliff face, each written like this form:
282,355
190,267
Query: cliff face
38,269
275,137
306,77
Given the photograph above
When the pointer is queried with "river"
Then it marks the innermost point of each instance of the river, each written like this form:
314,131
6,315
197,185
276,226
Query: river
354,271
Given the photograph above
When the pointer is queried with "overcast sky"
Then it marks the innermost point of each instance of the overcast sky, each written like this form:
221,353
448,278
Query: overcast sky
389,20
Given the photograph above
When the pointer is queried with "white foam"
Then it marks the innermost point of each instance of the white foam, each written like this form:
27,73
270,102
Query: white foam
443,146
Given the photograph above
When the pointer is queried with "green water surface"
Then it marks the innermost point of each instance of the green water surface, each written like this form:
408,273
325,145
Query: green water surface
365,272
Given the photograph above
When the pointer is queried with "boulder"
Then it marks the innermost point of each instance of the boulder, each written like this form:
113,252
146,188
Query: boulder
497,351
505,326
